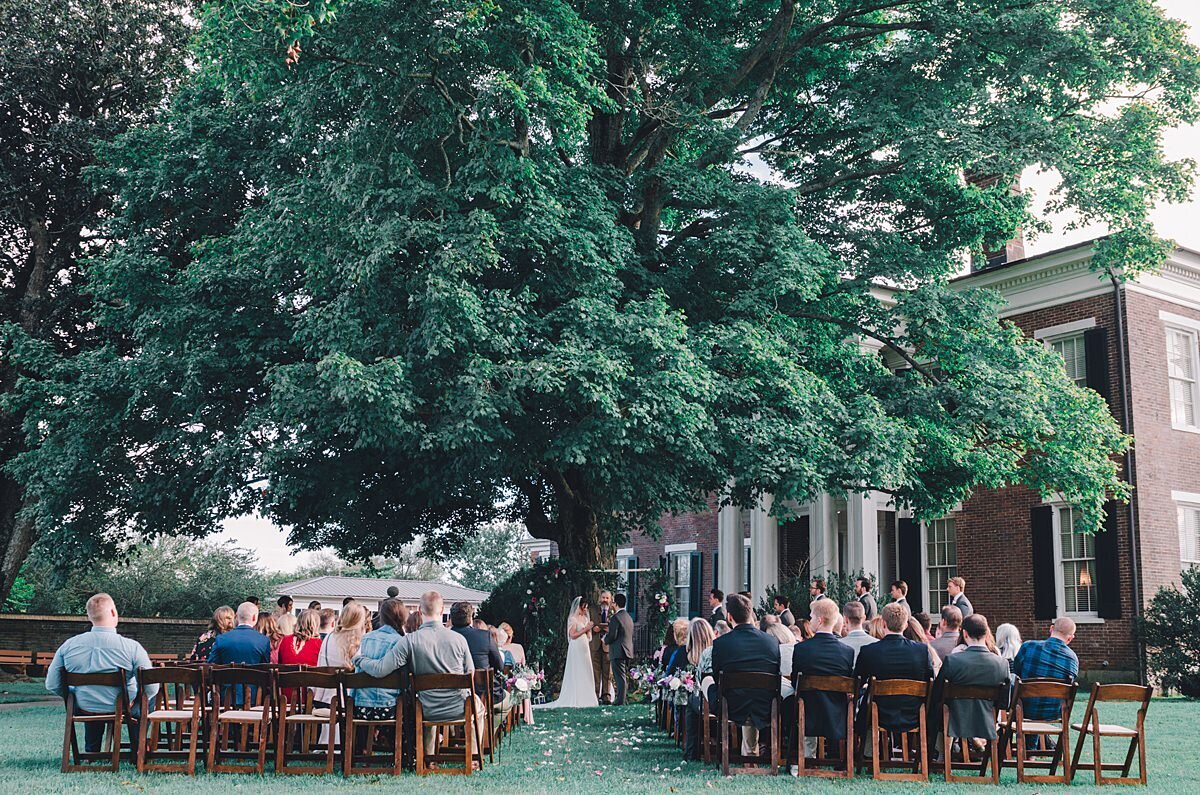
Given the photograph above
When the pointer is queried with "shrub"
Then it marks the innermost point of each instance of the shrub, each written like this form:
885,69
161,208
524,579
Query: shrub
838,586
1172,636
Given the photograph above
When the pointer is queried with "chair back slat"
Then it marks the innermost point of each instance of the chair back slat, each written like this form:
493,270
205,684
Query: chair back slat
827,684
105,679
1121,693
240,675
361,681
170,675
899,687
745,680
1045,688
308,679
442,682
953,692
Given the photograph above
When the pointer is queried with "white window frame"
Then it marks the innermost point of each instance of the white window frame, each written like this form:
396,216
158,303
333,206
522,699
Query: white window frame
624,559
1186,501
1193,332
935,616
746,553
673,553
1060,592
1077,338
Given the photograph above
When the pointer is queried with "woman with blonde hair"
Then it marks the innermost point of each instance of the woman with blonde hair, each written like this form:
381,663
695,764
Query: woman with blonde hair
699,645
268,626
679,634
302,647
339,648
223,619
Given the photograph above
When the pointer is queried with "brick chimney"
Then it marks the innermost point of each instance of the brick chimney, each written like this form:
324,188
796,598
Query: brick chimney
1014,249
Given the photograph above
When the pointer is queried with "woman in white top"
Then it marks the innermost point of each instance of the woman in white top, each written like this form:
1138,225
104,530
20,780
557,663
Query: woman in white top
786,641
339,648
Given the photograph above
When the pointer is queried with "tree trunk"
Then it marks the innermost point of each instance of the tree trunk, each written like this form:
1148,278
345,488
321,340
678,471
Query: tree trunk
16,536
576,527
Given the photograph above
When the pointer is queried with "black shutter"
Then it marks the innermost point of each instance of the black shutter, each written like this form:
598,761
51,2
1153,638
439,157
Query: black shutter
716,570
697,582
631,597
1095,354
1108,564
908,539
1045,590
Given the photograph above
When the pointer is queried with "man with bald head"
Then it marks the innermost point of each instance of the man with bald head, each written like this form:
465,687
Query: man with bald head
1051,658
100,650
243,644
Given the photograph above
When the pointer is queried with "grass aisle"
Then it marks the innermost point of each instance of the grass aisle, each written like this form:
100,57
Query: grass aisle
611,749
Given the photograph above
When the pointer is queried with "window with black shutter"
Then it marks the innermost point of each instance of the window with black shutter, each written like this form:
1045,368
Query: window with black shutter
1108,564
697,598
631,604
1095,344
1045,587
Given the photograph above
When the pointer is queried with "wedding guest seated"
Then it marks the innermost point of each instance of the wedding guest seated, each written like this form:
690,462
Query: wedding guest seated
303,646
745,649
949,634
797,632
480,624
786,641
484,653
767,620
974,665
915,633
720,628
284,615
922,618
100,650
856,637
824,654
508,646
678,659
699,655
1008,641
374,703
223,620
433,649
805,629
242,645
413,623
268,627
894,657
314,605
1051,658
876,628
328,617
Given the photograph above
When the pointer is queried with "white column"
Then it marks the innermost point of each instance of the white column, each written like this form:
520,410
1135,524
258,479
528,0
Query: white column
764,547
821,534
862,533
730,546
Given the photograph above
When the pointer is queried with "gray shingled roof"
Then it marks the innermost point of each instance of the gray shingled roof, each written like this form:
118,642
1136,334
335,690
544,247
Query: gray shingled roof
363,588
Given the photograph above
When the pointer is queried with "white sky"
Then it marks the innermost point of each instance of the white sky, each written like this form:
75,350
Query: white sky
1180,222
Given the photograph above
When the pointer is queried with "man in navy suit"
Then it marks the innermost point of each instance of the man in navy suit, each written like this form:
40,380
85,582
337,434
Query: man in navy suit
243,644
484,652
894,657
823,655
745,649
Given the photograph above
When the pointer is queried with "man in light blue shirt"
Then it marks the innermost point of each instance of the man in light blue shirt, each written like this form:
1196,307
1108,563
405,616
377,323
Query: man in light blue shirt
101,650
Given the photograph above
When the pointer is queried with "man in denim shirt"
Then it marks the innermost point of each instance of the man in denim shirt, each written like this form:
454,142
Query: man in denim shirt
375,703
101,650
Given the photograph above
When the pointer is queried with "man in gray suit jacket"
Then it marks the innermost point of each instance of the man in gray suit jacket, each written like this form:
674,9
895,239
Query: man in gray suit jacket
432,649
974,665
619,640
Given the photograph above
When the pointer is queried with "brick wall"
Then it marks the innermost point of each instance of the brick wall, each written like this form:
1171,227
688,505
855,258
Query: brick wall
46,633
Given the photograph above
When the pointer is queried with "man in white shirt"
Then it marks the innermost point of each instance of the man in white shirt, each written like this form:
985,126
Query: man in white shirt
856,637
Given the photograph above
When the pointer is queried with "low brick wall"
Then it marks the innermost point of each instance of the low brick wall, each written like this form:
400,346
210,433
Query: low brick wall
46,633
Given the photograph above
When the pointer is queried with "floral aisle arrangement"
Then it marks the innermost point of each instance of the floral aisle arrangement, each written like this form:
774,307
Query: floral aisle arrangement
680,687
523,683
659,598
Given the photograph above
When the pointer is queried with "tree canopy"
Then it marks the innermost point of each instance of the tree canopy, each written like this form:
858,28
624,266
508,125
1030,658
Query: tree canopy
396,267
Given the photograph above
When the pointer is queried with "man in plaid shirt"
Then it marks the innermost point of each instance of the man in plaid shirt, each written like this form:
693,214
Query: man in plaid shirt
1051,658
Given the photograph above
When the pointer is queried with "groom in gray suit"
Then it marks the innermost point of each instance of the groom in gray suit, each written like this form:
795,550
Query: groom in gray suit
619,640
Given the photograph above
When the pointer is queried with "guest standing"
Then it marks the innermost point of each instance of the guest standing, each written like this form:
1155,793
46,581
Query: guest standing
816,589
223,620
954,589
862,592
715,597
100,650
284,615
783,610
899,593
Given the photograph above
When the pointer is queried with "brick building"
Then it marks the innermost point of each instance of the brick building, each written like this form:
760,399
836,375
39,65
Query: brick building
1022,561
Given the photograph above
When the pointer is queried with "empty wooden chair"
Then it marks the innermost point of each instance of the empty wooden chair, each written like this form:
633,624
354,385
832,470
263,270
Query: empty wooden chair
767,763
445,758
298,721
177,711
73,760
838,767
365,756
914,757
238,731
1091,725
1019,729
996,697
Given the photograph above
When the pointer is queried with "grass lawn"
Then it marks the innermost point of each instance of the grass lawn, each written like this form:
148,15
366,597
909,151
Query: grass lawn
23,690
613,749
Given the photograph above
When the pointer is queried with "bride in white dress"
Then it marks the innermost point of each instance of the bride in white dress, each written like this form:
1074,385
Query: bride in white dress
578,684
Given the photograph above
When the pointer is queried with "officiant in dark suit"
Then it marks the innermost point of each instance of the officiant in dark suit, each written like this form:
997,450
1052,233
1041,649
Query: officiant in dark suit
744,649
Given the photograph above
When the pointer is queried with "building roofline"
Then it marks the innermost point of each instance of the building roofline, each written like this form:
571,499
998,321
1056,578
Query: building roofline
1090,243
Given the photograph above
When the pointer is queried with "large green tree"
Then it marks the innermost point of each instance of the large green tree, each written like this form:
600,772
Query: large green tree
72,75
390,267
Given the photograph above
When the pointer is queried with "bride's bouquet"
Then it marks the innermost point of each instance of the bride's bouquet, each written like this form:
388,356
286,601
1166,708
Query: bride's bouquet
523,682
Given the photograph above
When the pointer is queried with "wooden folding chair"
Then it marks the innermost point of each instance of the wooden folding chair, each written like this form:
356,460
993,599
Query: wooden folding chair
847,686
1091,725
368,761
710,746
470,754
994,695
1018,729
881,741
73,760
179,712
727,683
298,721
483,688
236,692
160,660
